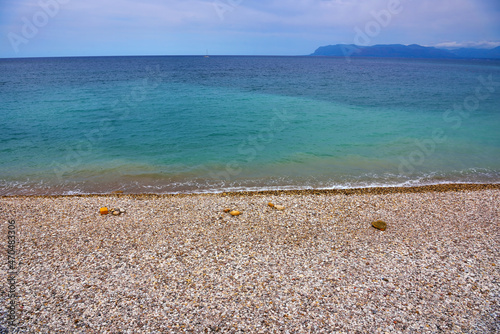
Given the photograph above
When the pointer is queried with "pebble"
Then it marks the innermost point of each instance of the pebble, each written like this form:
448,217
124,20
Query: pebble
380,225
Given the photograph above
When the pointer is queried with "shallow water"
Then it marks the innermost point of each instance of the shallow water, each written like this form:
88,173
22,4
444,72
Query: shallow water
195,124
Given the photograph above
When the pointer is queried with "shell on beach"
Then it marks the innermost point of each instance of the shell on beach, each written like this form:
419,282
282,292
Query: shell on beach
279,207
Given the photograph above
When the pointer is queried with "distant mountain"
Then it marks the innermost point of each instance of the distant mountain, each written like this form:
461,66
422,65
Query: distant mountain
403,51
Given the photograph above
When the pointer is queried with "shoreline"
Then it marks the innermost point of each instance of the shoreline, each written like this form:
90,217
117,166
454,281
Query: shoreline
439,187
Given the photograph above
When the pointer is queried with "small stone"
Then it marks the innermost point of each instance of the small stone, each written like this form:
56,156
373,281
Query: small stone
227,210
270,204
116,212
380,225
103,211
235,213
279,207
122,210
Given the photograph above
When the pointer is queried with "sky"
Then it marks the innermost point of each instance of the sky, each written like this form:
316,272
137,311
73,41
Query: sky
46,28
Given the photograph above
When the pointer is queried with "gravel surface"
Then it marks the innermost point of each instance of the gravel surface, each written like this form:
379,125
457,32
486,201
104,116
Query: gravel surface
179,263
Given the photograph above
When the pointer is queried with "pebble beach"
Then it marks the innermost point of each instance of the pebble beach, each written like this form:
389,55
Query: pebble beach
180,263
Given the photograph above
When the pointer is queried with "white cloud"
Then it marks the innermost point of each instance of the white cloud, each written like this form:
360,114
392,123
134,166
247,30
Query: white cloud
468,44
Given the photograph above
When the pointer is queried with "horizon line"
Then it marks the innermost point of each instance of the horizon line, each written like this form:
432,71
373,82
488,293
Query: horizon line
251,55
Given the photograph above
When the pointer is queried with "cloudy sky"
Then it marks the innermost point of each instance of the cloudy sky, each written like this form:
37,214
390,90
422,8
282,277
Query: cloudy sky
31,28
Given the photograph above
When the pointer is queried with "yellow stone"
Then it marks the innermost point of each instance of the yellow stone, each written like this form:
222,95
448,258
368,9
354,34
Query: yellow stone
380,225
103,211
235,213
270,204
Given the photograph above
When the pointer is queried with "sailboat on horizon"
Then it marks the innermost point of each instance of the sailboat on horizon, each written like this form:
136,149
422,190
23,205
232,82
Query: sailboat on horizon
206,56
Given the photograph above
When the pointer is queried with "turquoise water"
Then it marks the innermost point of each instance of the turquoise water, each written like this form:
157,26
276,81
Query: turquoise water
194,124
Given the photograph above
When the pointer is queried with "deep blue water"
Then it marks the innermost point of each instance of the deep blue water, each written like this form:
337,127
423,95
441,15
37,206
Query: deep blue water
191,124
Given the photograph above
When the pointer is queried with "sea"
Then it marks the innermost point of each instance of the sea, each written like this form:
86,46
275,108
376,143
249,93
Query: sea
195,124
